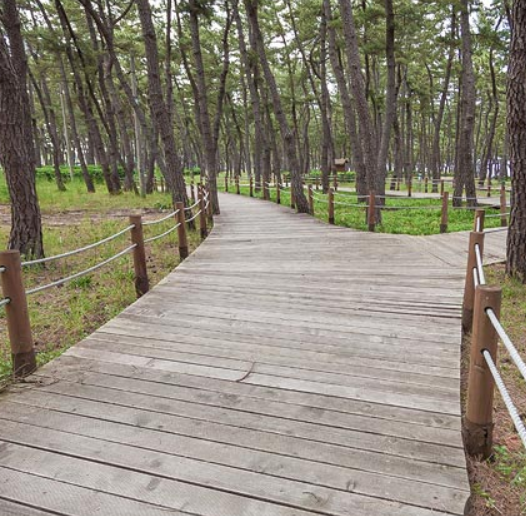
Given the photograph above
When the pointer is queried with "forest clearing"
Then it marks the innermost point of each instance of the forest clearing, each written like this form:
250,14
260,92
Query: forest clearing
263,258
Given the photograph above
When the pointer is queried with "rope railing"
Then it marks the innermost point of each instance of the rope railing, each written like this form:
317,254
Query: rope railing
506,398
158,237
162,219
194,217
15,294
189,208
80,249
481,319
81,273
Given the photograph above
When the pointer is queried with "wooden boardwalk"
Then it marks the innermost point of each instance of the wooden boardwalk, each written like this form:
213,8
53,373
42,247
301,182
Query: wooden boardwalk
287,368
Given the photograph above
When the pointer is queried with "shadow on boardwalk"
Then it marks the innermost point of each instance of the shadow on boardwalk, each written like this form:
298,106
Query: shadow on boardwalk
288,368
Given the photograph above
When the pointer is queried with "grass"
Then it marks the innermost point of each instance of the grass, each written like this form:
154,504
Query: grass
499,484
421,216
62,316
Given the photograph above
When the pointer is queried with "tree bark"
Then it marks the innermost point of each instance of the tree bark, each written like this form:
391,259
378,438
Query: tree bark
516,124
17,152
465,173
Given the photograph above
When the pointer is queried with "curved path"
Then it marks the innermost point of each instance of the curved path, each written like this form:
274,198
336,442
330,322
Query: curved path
287,368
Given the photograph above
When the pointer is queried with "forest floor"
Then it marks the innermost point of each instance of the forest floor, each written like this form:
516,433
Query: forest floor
62,316
499,484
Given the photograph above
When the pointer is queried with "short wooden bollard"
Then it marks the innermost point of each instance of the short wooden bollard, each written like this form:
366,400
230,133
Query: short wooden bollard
371,211
251,182
181,231
317,180
278,192
311,200
469,286
142,284
410,188
478,223
503,207
426,184
489,190
442,187
209,210
17,315
331,206
478,422
202,214
226,183
444,214
238,191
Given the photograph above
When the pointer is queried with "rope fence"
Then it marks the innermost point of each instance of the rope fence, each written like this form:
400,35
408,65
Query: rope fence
481,319
15,294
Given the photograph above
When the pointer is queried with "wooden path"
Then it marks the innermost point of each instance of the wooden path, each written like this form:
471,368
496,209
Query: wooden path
287,368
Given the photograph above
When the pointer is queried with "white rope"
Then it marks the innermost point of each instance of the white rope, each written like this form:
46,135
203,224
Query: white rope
512,350
497,215
495,230
195,216
207,204
156,237
480,265
158,221
193,205
517,421
352,205
81,273
80,249
476,281
2,269
5,301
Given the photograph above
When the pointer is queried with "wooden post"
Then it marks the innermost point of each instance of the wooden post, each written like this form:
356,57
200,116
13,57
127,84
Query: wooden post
489,190
251,181
426,183
503,207
469,286
311,200
335,181
265,190
442,187
331,206
478,422
238,191
226,183
181,231
444,215
478,223
202,215
192,191
371,219
210,209
142,285
278,192
410,187
17,315
317,183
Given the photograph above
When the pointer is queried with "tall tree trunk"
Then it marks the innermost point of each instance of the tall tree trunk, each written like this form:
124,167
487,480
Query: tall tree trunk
289,138
174,174
465,173
516,123
435,154
17,152
359,93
